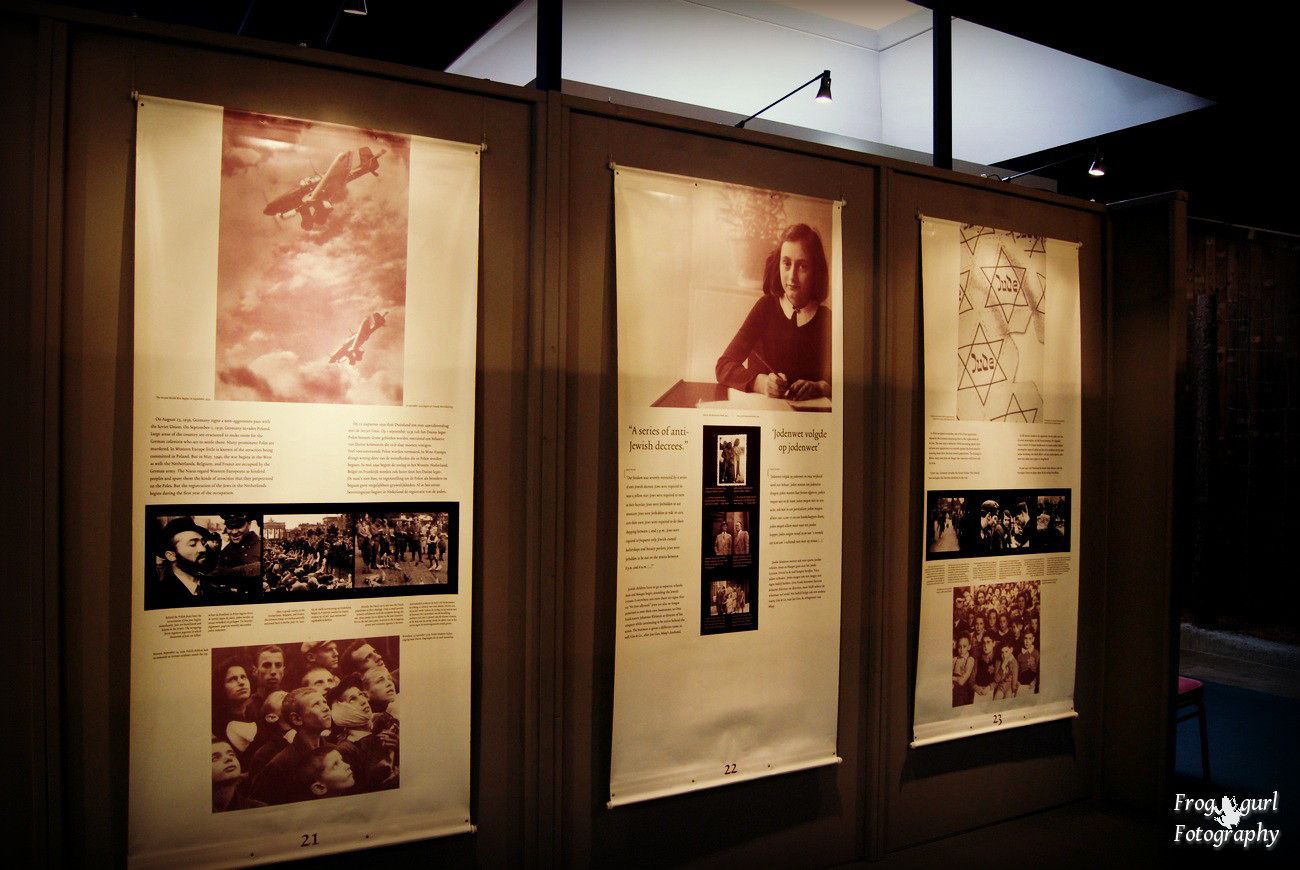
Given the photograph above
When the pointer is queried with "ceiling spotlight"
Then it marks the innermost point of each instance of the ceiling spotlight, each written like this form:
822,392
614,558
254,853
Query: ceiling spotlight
356,7
1096,169
823,94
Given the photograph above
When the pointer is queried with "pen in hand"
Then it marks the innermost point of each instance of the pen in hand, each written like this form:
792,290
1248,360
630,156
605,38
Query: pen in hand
772,373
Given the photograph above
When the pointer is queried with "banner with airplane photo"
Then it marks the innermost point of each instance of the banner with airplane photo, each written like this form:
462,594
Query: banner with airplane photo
303,436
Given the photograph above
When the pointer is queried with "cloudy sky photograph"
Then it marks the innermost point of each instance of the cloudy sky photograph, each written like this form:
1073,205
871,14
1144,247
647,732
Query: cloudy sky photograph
293,288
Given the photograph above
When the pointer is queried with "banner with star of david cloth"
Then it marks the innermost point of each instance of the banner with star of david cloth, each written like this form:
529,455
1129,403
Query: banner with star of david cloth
1000,536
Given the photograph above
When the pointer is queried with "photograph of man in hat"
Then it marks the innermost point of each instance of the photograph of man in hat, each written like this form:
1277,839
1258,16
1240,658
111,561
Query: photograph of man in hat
182,566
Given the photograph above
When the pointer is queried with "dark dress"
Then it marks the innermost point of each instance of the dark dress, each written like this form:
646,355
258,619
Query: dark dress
769,342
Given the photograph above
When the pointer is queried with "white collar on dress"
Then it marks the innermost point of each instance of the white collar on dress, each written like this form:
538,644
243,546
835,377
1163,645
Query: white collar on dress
805,314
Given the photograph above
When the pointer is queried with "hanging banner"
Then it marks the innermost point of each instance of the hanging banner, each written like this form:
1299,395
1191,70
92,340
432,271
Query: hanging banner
730,461
302,502
999,549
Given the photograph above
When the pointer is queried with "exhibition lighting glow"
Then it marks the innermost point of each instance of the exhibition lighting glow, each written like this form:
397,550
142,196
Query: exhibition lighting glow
823,95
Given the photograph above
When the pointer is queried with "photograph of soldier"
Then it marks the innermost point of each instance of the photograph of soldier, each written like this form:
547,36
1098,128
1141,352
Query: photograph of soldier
329,729
202,560
311,553
997,523
399,549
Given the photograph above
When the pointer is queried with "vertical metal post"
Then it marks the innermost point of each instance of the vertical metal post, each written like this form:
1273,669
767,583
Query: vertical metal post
942,44
549,44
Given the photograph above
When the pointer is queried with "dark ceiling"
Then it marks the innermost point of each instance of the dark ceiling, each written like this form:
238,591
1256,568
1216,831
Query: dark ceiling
1231,157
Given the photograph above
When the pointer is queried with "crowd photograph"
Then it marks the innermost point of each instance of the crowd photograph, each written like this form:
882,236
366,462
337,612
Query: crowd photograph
402,548
304,720
307,552
996,642
997,522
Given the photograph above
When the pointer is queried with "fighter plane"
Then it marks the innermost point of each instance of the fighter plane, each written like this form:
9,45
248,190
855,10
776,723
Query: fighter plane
351,349
315,195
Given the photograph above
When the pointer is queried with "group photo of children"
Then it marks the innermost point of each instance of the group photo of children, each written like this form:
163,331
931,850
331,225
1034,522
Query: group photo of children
996,642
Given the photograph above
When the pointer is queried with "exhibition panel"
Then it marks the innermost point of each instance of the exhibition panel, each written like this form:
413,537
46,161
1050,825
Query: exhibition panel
244,395
730,455
1002,400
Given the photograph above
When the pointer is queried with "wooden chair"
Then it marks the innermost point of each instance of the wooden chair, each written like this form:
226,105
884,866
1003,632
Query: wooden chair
1191,694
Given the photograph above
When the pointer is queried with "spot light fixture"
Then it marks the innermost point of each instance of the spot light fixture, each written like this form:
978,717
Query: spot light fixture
823,95
1096,169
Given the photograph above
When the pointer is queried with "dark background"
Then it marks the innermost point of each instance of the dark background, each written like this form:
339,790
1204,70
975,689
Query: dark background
1241,59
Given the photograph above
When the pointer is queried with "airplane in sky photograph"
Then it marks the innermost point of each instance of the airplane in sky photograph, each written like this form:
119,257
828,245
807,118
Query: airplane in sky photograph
315,196
351,349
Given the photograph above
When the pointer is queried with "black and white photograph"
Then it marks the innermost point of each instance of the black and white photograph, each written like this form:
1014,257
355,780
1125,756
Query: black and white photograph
728,597
727,539
307,552
740,313
403,549
202,558
964,524
304,720
206,556
732,448
996,642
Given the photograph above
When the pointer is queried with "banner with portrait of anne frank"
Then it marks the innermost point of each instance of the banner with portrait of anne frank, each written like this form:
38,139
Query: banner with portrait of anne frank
730,461
1001,529
302,496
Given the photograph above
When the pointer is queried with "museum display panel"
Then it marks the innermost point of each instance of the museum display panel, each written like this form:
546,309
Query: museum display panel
303,484
730,461
1000,584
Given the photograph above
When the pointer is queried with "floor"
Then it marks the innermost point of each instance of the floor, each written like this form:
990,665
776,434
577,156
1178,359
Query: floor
1252,702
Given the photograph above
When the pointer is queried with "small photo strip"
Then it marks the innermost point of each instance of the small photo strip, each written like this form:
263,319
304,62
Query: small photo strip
206,555
964,524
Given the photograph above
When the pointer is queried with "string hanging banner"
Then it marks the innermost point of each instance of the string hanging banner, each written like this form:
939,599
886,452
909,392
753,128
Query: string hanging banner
302,486
730,462
1001,529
